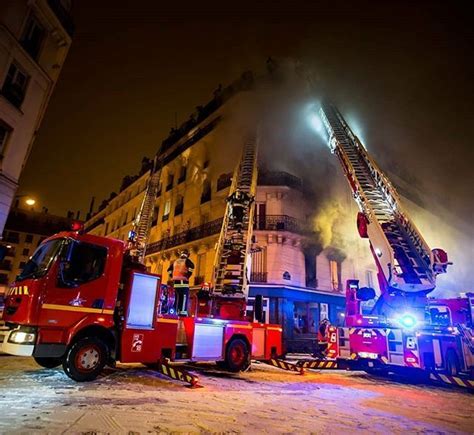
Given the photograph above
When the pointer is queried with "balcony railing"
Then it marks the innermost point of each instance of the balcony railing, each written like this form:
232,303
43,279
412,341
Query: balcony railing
258,276
279,223
205,230
279,178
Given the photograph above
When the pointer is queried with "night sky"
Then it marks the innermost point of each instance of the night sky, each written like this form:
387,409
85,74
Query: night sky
400,71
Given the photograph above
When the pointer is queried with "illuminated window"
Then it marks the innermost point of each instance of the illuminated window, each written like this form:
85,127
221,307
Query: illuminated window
166,210
335,270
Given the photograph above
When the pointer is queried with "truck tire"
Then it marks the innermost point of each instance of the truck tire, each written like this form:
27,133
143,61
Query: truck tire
85,359
237,356
452,363
48,363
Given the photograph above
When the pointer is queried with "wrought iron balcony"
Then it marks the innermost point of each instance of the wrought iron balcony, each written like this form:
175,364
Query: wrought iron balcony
279,223
258,276
196,233
279,178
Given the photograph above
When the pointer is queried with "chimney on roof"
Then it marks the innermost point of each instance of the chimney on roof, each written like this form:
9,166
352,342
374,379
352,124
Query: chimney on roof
91,207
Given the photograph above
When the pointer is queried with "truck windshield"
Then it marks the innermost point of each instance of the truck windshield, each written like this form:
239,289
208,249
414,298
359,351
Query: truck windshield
41,260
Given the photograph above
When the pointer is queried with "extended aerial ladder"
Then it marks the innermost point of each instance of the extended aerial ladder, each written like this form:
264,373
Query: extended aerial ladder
406,265
138,237
235,239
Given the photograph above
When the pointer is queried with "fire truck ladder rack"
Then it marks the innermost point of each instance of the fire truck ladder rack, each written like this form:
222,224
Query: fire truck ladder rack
230,275
410,263
142,224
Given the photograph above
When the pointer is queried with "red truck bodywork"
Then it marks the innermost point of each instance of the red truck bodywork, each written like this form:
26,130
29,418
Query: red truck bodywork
107,308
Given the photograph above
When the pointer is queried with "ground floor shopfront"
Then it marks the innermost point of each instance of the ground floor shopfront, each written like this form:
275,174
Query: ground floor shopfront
299,311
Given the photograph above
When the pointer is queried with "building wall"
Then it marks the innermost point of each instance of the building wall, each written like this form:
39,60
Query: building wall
37,67
24,231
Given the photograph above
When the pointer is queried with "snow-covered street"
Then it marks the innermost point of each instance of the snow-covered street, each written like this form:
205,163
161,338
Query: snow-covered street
134,400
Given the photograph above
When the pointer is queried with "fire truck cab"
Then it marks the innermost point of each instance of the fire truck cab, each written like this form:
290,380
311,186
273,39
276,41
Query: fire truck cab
82,302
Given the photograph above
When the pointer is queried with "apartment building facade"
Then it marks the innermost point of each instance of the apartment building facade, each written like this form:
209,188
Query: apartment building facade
35,36
300,281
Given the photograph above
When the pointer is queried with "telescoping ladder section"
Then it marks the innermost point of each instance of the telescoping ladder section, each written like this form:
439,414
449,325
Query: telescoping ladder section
143,221
230,275
409,266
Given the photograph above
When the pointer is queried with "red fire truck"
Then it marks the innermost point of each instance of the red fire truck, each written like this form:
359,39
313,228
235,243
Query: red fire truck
81,302
85,301
404,330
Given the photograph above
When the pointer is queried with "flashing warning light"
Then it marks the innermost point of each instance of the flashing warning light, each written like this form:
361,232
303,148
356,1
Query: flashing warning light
132,235
408,321
77,226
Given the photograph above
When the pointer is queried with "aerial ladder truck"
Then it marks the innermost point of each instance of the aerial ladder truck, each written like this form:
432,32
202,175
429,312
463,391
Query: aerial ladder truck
405,330
84,301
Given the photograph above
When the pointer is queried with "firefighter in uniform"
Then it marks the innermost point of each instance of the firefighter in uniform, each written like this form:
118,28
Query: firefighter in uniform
180,271
239,201
323,337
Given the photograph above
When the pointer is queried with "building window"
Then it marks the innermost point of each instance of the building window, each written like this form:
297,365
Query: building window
29,238
179,206
200,269
369,279
12,237
335,270
22,264
206,192
310,269
33,37
154,221
14,87
224,180
26,252
182,174
106,228
5,131
166,210
169,183
258,272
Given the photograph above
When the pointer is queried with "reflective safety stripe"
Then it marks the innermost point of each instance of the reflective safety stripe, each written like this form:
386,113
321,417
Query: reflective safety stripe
232,325
167,320
78,309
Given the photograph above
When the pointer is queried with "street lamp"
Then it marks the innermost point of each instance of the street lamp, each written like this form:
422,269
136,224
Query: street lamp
29,201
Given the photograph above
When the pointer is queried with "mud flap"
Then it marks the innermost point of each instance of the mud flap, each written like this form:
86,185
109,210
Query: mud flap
452,380
284,365
172,371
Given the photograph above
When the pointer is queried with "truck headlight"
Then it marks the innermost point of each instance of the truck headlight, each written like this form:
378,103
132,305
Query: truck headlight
21,337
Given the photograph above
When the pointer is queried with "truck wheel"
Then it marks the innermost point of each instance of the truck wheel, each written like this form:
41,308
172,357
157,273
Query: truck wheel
237,355
85,359
452,364
48,363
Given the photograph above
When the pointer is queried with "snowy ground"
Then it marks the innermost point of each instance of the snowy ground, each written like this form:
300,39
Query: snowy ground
133,400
